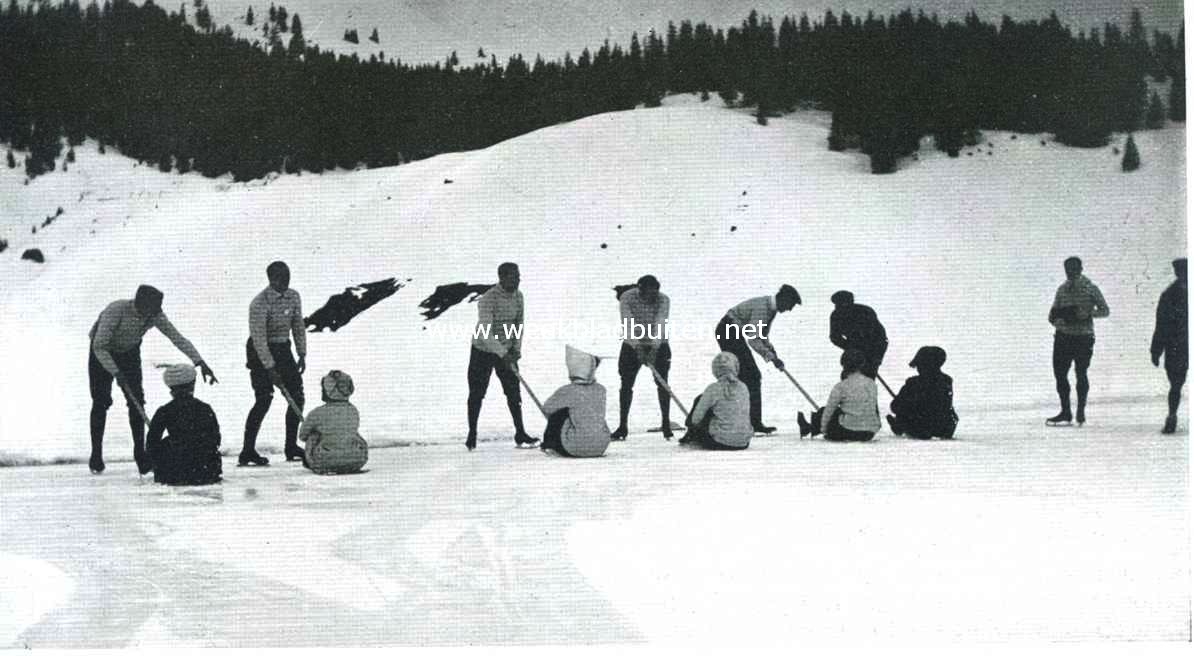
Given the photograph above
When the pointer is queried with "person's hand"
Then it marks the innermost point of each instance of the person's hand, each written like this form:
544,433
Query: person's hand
1156,359
209,376
274,376
779,364
302,364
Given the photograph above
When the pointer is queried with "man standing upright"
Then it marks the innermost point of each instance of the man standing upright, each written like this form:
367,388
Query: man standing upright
1076,305
497,345
275,313
748,326
1171,339
644,342
115,354
855,326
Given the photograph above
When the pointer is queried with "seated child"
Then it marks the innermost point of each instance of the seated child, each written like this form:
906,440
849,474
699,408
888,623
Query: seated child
852,412
576,424
720,416
189,454
331,431
924,408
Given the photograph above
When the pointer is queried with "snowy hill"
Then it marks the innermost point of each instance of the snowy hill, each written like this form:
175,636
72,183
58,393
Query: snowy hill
962,253
1013,532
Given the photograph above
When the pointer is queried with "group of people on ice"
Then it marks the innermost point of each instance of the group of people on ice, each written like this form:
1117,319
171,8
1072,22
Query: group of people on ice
184,435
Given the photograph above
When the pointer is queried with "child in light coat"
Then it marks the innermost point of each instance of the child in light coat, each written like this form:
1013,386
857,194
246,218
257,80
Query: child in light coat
852,412
576,425
331,432
720,418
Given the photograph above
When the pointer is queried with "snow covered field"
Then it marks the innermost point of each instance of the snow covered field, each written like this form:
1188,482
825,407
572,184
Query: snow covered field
1013,532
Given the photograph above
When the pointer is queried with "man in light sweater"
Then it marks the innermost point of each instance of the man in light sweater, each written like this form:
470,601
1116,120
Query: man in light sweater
1076,305
748,326
115,354
275,313
644,312
497,345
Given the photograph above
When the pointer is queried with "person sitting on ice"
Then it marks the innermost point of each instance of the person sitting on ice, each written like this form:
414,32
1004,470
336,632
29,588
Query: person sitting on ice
924,408
852,412
720,417
189,454
331,432
576,424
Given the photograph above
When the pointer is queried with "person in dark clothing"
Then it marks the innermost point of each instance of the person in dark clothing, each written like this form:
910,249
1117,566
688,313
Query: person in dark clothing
189,454
855,326
1171,339
747,326
274,315
115,354
1077,303
924,408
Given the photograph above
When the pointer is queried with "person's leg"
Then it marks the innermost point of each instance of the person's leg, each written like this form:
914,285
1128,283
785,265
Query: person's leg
552,433
663,364
263,395
628,366
292,382
100,382
1062,357
1083,350
748,373
509,381
480,367
130,365
1177,378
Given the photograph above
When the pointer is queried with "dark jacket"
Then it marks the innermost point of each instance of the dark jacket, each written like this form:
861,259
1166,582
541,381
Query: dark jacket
1170,336
189,454
926,405
856,326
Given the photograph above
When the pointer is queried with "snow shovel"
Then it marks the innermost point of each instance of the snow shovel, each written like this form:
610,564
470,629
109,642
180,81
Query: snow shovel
529,392
663,383
290,401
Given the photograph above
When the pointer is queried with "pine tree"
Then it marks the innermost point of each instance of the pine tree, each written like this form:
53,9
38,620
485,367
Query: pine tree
298,45
1177,99
374,37
12,162
1155,117
70,155
1131,160
203,19
480,53
351,36
249,16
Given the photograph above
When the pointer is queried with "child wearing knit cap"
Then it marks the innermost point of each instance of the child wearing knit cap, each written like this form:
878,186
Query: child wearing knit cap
331,431
183,443
720,418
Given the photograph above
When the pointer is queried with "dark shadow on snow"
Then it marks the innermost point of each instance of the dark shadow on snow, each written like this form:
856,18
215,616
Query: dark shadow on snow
343,307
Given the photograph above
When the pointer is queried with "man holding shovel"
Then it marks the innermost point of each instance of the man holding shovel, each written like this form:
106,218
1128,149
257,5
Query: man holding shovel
747,326
275,314
497,346
115,354
856,326
644,342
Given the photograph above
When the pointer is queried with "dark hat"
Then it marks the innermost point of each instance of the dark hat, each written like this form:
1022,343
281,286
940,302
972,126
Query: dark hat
149,297
843,296
853,359
648,281
932,357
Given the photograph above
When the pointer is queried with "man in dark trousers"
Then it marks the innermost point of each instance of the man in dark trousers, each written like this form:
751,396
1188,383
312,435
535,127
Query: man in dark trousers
748,326
644,312
497,345
1076,305
115,354
1171,339
275,314
855,326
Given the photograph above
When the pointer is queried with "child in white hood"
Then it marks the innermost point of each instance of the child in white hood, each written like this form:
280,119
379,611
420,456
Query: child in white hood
576,425
334,445
720,416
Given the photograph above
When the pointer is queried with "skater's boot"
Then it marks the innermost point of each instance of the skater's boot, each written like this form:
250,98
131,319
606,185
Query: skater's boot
761,428
98,418
294,452
625,397
522,439
805,428
96,464
251,459
1064,417
665,407
470,442
619,434
1169,429
1080,415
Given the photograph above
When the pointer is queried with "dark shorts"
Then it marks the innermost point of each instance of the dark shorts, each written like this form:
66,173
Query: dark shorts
1072,349
285,365
100,381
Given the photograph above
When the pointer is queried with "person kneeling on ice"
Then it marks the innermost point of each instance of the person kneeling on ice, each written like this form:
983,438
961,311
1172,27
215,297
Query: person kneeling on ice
331,431
720,417
189,454
924,408
576,424
852,412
